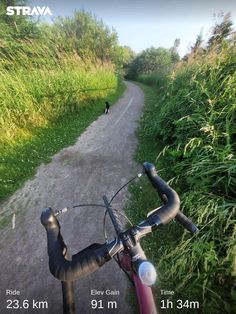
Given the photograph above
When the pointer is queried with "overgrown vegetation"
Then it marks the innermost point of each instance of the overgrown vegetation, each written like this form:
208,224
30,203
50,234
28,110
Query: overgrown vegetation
50,75
189,131
158,61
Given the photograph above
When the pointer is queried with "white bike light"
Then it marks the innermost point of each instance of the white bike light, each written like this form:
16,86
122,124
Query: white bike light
147,273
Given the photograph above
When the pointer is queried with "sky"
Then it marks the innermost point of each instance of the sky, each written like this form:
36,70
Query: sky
141,24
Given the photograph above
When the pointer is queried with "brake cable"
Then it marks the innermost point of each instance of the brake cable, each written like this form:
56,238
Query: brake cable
65,209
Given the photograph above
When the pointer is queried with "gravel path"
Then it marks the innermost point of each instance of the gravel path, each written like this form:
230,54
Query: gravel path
100,162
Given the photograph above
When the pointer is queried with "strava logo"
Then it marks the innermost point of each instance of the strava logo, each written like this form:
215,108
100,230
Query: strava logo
24,10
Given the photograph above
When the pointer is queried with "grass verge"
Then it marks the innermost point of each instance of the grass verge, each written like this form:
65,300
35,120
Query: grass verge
197,268
20,163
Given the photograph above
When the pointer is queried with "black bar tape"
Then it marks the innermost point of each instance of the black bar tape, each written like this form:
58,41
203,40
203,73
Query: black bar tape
186,222
82,263
168,211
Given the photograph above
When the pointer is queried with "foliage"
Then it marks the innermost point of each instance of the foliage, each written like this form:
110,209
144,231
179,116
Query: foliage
221,30
152,60
189,131
197,125
16,26
222,33
33,99
197,45
86,35
19,161
47,73
124,56
89,38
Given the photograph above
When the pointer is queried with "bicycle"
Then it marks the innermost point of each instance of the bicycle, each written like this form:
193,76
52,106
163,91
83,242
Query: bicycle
125,248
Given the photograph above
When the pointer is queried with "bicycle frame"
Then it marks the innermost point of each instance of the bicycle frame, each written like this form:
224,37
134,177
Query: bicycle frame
144,293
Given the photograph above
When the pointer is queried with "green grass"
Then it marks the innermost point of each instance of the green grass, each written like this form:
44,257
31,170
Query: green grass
202,267
33,98
18,163
47,98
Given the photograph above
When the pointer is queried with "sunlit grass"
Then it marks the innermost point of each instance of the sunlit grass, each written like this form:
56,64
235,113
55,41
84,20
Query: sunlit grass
189,131
46,100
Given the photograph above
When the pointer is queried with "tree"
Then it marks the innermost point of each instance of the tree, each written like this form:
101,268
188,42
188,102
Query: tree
16,26
122,57
87,35
15,31
151,60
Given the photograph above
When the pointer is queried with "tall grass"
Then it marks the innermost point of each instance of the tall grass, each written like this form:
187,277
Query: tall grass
35,90
155,79
39,85
192,122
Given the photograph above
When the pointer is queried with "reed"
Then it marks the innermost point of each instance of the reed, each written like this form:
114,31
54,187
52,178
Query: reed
39,87
189,131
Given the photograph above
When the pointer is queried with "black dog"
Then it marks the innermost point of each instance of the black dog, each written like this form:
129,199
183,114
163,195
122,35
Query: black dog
107,107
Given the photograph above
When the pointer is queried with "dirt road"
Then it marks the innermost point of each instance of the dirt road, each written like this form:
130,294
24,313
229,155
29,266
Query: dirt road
100,162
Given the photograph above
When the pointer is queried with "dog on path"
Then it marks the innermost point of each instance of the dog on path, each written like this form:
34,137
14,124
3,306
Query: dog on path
107,107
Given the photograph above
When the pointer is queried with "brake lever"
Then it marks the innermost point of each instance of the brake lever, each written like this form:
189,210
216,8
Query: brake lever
186,222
